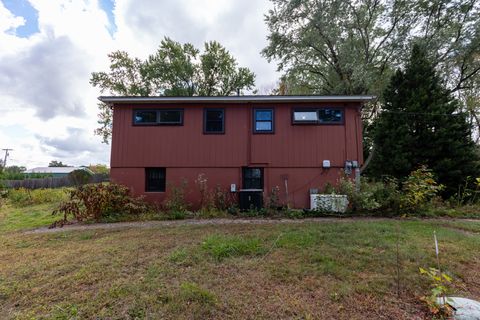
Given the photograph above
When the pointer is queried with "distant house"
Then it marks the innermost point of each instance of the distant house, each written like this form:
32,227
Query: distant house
56,172
247,145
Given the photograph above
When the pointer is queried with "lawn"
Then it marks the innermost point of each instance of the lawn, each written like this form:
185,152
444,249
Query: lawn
30,217
340,270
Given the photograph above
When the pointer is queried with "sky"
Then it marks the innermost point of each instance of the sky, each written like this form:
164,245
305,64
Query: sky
49,48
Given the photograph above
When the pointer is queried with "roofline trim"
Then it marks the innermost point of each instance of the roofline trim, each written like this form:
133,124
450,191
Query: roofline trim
233,99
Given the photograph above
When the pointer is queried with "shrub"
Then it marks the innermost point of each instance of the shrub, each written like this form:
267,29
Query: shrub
175,205
222,198
80,177
213,203
206,201
328,188
468,192
419,190
94,202
439,286
372,196
24,197
274,205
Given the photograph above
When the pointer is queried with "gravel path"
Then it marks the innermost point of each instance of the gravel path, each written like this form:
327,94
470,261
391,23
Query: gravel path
188,222
224,221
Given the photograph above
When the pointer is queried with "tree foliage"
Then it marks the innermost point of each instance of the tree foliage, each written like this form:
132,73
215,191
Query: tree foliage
352,47
422,124
55,163
175,69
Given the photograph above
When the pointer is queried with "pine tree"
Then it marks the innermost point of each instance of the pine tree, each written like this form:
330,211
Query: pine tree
421,124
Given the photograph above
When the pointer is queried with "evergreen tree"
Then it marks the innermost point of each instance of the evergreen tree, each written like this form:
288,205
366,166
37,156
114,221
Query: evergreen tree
421,124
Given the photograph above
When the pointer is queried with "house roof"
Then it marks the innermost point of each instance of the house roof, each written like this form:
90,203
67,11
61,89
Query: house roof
64,170
233,99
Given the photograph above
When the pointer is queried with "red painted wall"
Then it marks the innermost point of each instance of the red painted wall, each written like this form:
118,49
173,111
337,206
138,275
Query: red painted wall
296,151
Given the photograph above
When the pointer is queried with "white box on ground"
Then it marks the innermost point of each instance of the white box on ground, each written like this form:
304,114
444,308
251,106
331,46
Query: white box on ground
329,202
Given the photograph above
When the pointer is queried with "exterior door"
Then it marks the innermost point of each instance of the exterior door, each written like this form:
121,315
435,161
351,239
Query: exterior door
252,178
251,195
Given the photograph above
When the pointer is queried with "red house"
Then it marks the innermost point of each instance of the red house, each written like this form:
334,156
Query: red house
246,144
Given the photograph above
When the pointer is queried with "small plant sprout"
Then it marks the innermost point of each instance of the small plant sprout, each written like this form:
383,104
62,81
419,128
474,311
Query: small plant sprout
439,283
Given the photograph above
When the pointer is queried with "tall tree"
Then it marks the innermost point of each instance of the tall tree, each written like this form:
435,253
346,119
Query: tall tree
175,69
55,163
422,124
352,47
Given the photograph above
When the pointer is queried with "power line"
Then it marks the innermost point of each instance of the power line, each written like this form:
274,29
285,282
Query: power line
425,113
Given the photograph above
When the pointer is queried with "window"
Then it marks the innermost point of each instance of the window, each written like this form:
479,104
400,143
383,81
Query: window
305,116
214,121
155,179
330,116
145,117
252,178
158,117
170,116
263,120
318,116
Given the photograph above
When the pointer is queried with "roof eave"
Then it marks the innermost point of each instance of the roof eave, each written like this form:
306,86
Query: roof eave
111,100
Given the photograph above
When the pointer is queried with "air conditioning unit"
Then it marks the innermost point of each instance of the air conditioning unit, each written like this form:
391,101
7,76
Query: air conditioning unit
250,199
329,202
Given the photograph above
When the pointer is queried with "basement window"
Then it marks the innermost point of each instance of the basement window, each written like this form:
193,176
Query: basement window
318,116
214,121
263,120
155,179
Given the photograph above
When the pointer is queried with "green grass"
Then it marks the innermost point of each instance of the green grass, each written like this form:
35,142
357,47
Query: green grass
311,270
24,197
191,292
468,226
22,218
222,246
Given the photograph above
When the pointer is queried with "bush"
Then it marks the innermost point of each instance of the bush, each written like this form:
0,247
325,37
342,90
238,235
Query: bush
175,205
80,177
25,197
94,202
213,203
372,196
419,190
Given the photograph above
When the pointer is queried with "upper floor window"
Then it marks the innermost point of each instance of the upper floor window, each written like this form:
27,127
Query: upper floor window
145,117
158,117
214,121
318,116
263,120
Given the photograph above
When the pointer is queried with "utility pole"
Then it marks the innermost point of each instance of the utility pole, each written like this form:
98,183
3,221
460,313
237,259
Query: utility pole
6,156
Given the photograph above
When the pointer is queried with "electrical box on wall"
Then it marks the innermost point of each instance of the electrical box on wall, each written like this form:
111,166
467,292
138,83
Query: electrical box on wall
233,187
326,163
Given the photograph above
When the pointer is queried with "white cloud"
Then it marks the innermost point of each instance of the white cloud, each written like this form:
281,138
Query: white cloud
8,21
48,106
49,77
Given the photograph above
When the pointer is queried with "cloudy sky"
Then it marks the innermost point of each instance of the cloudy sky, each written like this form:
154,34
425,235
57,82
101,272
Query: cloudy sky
48,48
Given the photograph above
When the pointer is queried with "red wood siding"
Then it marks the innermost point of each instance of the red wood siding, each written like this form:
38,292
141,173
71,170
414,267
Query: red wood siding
294,150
